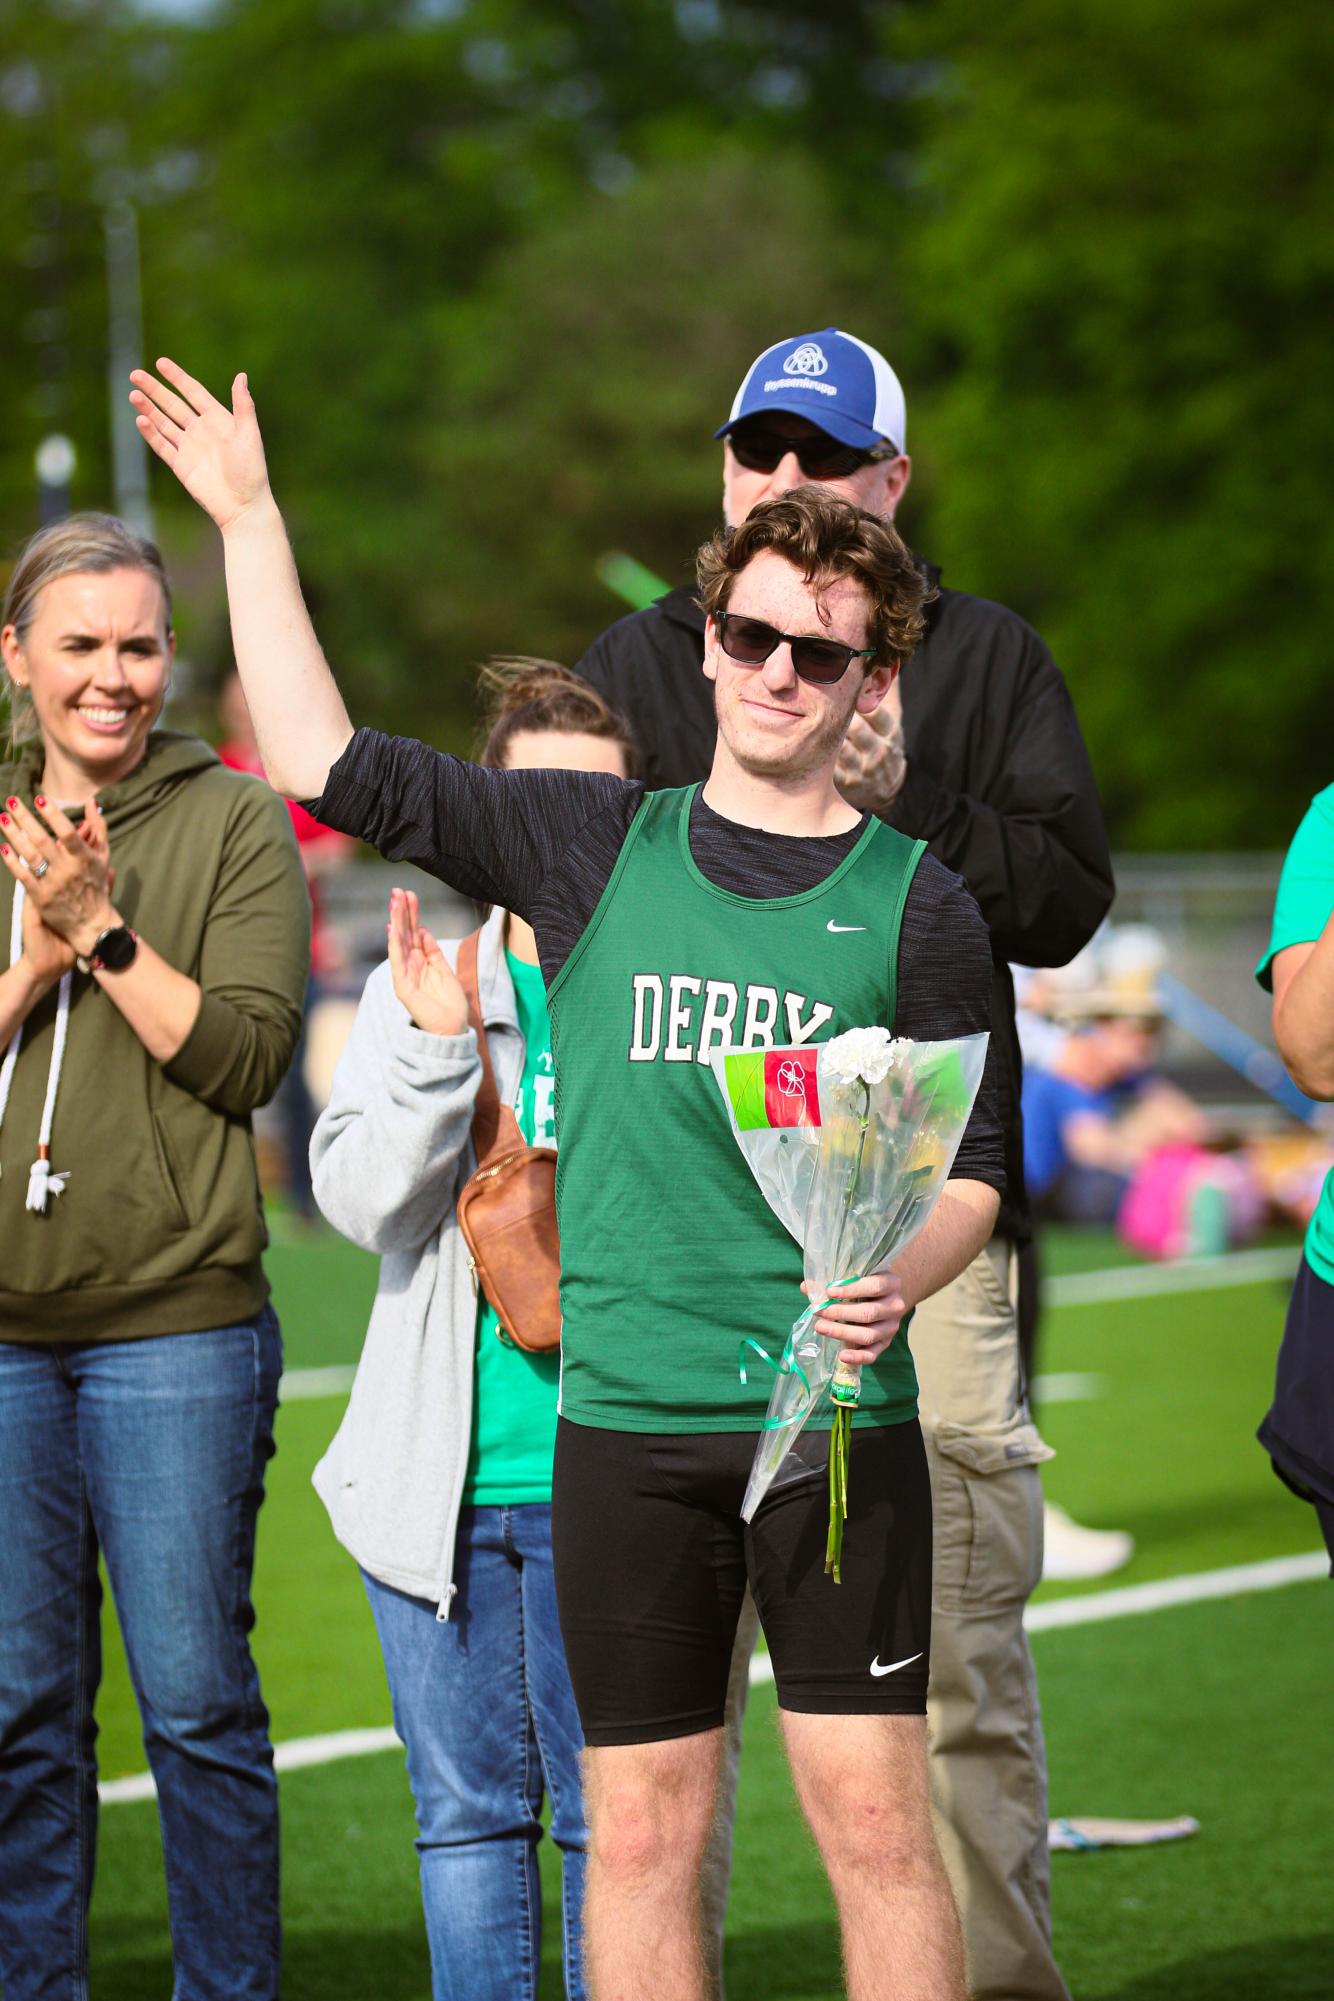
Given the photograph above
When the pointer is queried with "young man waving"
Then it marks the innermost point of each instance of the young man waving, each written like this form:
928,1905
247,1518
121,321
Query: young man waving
759,908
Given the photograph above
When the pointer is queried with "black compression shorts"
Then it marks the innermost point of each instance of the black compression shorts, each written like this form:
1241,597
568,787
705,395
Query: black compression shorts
652,1560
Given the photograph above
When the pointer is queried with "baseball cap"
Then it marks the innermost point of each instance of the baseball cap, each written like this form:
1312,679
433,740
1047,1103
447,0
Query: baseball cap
1116,975
832,378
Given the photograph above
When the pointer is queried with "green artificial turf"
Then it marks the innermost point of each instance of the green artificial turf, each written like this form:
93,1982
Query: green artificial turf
322,1289
1167,1449
1214,1709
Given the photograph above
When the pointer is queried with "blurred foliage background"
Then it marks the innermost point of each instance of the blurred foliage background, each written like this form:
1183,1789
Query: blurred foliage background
496,266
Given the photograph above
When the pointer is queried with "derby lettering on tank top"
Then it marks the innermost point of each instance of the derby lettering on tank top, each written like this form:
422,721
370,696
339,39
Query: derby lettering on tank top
670,1255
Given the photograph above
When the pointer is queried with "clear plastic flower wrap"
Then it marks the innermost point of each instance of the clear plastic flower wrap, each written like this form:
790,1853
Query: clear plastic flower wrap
851,1142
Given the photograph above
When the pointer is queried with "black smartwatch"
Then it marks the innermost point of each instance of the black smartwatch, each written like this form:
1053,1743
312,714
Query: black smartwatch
114,950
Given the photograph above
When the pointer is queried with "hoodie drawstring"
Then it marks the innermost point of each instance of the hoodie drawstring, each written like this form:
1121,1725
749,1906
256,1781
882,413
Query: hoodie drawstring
42,1183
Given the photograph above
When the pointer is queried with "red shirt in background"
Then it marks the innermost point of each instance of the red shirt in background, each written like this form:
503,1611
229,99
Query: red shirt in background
319,846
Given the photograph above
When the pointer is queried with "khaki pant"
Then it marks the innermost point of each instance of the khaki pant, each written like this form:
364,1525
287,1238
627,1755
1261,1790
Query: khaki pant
988,1765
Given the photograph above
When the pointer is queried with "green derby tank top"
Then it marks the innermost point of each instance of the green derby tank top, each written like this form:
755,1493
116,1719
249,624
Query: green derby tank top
670,1254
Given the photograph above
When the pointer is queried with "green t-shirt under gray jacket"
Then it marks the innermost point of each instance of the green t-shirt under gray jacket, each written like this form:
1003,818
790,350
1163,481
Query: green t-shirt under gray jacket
159,1228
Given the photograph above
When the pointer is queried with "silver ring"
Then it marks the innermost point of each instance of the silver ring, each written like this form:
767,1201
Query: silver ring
40,868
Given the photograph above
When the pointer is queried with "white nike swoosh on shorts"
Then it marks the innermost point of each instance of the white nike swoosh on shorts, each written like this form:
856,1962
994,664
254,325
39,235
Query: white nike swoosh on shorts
831,926
894,1666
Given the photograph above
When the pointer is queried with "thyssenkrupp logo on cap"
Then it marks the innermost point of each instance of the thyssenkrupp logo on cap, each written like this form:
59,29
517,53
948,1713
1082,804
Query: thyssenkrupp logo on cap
808,359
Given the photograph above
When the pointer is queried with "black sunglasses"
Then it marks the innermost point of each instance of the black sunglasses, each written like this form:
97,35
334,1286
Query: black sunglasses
818,455
749,641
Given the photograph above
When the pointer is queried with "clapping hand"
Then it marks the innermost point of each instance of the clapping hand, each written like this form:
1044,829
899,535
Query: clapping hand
217,454
45,953
423,979
67,877
871,764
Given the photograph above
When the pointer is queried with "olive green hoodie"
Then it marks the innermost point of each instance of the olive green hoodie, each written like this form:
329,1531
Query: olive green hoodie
159,1228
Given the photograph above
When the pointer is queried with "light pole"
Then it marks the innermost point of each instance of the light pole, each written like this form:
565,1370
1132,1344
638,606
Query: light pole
125,339
54,462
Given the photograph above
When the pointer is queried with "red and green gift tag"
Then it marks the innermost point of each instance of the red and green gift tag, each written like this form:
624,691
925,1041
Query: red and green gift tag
768,1088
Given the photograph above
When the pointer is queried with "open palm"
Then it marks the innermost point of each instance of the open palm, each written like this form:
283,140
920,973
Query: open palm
217,454
423,979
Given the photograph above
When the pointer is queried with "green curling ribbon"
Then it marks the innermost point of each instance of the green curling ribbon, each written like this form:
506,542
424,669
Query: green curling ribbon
786,1365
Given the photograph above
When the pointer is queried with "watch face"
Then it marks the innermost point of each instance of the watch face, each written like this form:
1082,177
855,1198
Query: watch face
115,949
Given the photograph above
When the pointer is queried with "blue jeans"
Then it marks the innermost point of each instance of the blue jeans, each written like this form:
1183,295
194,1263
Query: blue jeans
484,1705
152,1451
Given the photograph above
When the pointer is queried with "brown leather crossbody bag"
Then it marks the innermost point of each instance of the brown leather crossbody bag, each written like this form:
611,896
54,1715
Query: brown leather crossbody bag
507,1206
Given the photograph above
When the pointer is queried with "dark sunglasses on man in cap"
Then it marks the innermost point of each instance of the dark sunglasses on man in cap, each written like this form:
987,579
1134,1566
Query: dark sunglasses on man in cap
749,641
819,456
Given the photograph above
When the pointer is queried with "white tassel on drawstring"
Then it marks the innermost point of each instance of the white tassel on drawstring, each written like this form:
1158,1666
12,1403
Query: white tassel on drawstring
42,1182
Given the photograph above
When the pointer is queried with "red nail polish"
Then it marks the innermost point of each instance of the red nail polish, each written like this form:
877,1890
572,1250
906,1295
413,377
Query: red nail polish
11,802
3,850
40,800
4,819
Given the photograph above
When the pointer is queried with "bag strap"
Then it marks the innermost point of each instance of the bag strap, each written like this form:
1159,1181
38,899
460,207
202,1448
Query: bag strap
494,1127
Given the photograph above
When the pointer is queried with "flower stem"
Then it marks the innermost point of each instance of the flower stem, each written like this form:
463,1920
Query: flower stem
847,1388
839,1444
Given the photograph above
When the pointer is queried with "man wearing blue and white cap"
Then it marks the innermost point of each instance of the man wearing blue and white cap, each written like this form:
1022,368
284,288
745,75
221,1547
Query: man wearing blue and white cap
843,386
982,757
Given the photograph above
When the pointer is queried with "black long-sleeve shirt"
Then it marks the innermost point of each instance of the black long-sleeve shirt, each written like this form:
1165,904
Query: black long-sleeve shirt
544,844
998,783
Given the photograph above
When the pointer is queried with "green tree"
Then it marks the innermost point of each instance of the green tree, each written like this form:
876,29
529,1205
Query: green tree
576,395
1121,266
413,223
67,151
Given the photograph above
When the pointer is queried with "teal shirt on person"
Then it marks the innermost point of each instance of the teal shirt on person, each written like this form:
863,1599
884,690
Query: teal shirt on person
514,1393
1302,910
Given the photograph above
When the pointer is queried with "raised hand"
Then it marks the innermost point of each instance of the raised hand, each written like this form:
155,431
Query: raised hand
217,454
423,979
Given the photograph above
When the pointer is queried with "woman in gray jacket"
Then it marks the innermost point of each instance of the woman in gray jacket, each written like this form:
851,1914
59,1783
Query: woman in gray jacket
439,1479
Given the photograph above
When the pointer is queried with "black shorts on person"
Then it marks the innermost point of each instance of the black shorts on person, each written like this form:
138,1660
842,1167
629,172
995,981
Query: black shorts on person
652,1560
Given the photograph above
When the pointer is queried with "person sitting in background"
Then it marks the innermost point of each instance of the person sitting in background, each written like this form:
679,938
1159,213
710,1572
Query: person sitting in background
1106,1138
439,1480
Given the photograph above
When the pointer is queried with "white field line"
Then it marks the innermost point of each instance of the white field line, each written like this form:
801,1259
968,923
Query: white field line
1091,1288
1234,1582
288,1757
298,1384
1084,1288
1164,1593
1067,1386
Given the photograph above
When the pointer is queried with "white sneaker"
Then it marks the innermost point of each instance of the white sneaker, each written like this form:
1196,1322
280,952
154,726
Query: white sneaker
1071,1552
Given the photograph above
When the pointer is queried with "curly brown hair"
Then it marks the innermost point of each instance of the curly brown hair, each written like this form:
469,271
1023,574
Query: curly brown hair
825,537
519,693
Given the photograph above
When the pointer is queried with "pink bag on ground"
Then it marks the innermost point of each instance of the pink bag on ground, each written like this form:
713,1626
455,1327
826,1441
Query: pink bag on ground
1187,1202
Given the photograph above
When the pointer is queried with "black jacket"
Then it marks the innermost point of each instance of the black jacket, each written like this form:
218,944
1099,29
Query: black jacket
998,784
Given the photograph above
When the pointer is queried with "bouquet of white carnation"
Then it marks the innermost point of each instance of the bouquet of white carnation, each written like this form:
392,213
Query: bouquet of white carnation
851,1142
